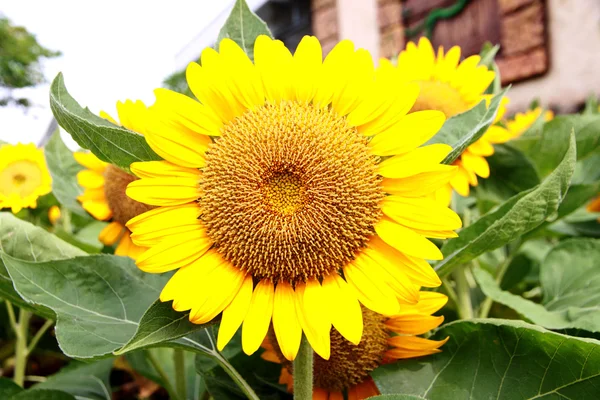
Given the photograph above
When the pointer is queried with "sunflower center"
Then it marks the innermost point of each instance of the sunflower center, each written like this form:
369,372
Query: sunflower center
290,192
20,177
440,96
349,364
122,207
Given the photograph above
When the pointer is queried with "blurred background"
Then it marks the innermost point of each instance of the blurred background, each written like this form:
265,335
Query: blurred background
117,50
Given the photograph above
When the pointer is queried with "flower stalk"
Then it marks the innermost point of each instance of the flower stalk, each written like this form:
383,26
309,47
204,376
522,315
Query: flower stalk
303,372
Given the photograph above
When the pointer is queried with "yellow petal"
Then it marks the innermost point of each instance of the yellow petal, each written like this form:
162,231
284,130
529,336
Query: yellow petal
344,309
317,337
234,314
415,324
406,240
90,179
429,302
98,208
415,162
408,133
133,115
110,234
256,323
421,184
124,246
308,59
379,298
163,169
174,252
90,161
476,164
420,213
285,322
164,191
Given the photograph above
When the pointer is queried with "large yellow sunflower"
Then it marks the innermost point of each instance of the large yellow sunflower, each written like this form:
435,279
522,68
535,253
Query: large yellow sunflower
384,340
273,202
23,176
453,87
523,121
104,186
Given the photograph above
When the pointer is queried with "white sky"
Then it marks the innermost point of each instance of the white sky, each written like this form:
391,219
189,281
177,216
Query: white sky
111,50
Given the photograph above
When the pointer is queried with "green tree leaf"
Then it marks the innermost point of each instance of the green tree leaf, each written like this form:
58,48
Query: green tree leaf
25,241
160,323
86,381
63,169
512,219
243,27
42,395
462,130
8,388
111,143
498,359
570,281
99,299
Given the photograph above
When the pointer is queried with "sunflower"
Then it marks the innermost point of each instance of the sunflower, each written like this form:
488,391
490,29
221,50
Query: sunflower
594,205
453,87
104,186
23,176
273,202
523,121
384,340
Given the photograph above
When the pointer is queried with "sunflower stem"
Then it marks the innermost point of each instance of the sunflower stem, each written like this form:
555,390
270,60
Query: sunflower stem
38,336
180,386
237,378
166,382
303,372
21,347
463,293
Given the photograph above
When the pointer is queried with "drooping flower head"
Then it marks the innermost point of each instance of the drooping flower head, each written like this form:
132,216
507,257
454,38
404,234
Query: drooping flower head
523,121
105,184
274,203
453,87
385,340
24,176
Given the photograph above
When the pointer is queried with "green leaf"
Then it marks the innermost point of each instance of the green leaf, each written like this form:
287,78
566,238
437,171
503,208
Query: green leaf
498,359
86,381
577,196
99,299
164,358
63,169
42,395
109,142
25,241
546,146
464,129
488,54
511,172
243,27
160,323
512,219
570,282
8,388
395,397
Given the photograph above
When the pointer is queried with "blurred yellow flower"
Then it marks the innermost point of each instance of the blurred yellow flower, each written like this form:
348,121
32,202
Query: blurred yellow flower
24,176
523,121
54,214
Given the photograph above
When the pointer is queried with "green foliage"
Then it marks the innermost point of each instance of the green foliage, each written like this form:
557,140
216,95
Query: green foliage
515,217
498,359
87,381
178,83
243,26
109,142
464,129
20,58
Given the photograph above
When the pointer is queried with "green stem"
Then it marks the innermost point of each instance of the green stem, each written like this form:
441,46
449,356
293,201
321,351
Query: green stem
161,372
463,293
11,316
446,286
39,335
21,347
303,372
237,378
486,305
179,359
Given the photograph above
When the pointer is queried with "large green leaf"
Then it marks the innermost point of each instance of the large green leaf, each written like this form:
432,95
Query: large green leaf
25,241
498,359
42,395
243,27
64,169
546,146
84,381
159,324
570,281
511,173
462,130
99,299
512,219
109,142
8,388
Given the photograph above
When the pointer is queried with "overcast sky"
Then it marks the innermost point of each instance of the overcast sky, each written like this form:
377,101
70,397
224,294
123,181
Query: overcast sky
112,50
